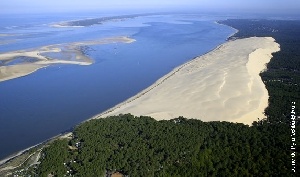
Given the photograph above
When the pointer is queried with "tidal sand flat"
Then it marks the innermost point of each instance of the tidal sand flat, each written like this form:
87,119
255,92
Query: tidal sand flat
23,62
94,21
5,35
222,85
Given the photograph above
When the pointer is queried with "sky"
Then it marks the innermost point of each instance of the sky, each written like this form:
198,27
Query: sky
39,6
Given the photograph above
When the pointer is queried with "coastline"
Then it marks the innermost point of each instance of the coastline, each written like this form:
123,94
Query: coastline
161,100
157,83
17,154
229,36
24,69
36,59
137,96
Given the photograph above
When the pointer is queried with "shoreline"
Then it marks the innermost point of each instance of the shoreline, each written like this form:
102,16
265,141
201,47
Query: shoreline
41,57
160,80
130,40
17,154
151,101
151,87
137,96
44,62
231,35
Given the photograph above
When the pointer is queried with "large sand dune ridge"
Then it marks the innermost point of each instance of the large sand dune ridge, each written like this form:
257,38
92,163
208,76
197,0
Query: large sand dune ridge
223,84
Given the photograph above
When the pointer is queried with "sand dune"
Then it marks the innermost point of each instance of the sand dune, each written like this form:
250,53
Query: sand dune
223,84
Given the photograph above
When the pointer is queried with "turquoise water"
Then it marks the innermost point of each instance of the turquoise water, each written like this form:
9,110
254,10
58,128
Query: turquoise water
54,99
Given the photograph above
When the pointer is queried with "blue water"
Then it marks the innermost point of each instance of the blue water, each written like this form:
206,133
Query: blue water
43,104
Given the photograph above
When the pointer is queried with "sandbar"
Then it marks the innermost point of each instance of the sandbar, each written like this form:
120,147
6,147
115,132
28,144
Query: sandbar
6,34
222,85
23,62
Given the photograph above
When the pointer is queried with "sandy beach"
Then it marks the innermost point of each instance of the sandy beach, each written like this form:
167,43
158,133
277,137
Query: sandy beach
222,85
28,61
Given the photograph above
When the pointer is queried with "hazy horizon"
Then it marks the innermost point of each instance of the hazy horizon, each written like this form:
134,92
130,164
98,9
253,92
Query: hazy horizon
230,6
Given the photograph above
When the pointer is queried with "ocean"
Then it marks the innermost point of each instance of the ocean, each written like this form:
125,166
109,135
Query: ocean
54,99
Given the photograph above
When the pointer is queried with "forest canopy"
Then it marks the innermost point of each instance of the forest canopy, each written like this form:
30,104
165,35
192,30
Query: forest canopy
142,146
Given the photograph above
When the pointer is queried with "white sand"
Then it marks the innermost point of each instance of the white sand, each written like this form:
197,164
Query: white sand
222,85
24,68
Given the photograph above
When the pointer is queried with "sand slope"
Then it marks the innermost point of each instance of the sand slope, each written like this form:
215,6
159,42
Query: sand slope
223,84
